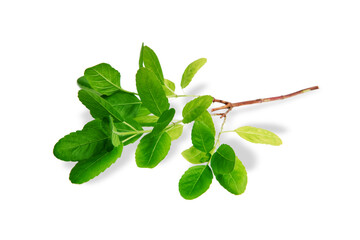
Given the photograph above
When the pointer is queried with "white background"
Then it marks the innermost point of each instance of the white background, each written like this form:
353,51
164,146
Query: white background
308,188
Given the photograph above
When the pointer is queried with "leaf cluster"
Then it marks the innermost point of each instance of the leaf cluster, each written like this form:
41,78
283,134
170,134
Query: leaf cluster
122,117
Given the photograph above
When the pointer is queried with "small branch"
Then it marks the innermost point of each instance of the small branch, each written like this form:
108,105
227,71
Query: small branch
229,106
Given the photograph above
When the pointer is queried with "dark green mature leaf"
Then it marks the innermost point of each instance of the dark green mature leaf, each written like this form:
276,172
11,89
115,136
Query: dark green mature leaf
81,145
235,182
103,78
126,104
223,160
202,137
129,127
83,83
152,150
191,70
195,181
163,121
152,62
151,92
206,118
98,106
175,131
88,169
258,135
169,87
195,156
141,58
196,107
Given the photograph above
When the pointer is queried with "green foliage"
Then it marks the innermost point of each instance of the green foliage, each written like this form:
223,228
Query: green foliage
258,135
190,71
196,107
195,181
123,117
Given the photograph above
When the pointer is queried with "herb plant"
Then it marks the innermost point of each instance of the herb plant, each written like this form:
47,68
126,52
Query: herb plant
122,117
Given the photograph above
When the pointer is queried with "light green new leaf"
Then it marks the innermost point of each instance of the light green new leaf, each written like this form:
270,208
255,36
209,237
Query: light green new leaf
191,70
195,181
103,78
152,150
81,145
196,107
141,58
235,181
143,111
223,160
98,106
126,104
258,135
202,137
175,131
169,87
152,62
151,92
163,121
88,169
206,118
115,140
195,156
147,121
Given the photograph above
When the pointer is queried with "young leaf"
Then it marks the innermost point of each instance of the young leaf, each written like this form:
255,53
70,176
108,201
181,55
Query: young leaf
81,145
206,118
169,87
143,111
151,92
98,106
88,169
152,62
191,70
258,135
195,181
115,140
147,121
163,121
235,181
141,58
202,137
175,132
152,150
223,160
195,108
126,104
195,156
103,78
129,127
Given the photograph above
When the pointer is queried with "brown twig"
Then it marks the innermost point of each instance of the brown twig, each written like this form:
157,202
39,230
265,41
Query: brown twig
229,106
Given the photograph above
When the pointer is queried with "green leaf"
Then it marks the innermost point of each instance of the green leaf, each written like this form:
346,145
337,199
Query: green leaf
195,156
83,83
191,70
152,62
223,160
147,121
86,170
206,118
152,150
129,127
143,111
175,132
163,121
196,107
151,92
126,104
98,106
235,182
141,58
81,145
103,78
169,87
258,135
202,137
115,140
195,181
